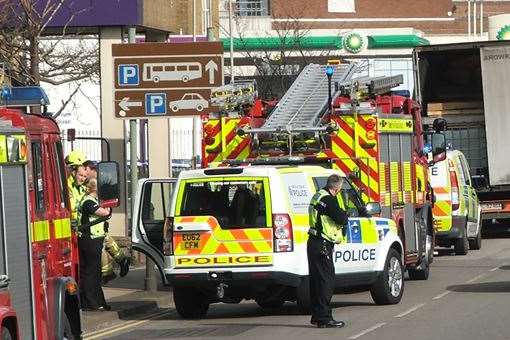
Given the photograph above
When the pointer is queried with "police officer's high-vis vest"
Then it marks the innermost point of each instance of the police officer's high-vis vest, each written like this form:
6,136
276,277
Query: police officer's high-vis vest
96,230
330,230
76,193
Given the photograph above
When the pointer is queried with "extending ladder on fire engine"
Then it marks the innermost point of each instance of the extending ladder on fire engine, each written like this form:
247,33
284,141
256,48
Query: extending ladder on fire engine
303,104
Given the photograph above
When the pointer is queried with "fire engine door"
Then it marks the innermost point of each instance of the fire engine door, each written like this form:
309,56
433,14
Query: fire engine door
152,207
396,150
15,245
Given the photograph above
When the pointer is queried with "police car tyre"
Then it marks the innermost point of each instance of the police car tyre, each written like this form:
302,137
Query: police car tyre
190,303
68,331
303,296
270,303
476,243
461,245
6,333
389,287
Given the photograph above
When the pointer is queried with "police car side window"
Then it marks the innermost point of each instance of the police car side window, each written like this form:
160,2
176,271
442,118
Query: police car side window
351,199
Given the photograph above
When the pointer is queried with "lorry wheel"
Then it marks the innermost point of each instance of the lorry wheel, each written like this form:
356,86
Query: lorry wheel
476,243
389,287
6,333
461,245
268,304
303,296
190,303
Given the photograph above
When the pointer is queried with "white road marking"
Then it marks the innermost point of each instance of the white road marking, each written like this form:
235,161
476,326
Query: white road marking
113,329
476,278
409,311
498,267
441,295
366,331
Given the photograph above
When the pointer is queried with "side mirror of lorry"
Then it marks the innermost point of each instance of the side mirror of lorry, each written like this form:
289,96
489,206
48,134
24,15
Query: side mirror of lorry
108,186
373,208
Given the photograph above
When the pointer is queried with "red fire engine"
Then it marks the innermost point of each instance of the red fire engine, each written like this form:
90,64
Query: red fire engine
371,133
38,248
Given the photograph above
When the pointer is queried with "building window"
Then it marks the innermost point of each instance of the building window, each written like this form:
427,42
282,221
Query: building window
252,8
341,6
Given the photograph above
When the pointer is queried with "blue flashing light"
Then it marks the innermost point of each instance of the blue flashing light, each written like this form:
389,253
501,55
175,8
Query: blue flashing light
24,96
329,71
427,148
6,92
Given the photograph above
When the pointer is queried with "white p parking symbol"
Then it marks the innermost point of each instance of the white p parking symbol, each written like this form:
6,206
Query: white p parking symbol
155,103
128,75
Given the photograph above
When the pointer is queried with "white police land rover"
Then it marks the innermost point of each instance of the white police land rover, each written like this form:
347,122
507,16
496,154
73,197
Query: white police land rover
228,234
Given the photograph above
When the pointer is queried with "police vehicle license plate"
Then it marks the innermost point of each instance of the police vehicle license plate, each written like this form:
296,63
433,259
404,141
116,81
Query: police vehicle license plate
190,240
491,206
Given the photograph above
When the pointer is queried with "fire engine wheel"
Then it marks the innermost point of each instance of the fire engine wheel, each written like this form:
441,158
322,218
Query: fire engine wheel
6,333
68,331
190,303
303,296
389,287
461,245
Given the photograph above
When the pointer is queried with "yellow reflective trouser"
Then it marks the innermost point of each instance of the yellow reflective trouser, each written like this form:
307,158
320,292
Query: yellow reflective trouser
111,251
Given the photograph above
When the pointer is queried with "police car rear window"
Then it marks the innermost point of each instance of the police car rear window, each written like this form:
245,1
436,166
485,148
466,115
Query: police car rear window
234,203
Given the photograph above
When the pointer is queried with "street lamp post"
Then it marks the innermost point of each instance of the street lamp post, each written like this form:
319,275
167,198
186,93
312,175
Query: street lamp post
329,74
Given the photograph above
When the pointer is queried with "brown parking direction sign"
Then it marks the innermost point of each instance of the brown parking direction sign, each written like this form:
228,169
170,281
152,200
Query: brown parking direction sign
165,79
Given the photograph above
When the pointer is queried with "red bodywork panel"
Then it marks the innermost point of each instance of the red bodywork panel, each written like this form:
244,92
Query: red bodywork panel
57,255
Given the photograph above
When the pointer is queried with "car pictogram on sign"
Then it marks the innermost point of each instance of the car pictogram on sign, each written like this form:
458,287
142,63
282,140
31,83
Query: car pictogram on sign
190,101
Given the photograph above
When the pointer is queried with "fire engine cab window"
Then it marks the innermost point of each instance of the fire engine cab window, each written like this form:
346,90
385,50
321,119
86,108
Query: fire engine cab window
352,201
235,204
61,175
38,176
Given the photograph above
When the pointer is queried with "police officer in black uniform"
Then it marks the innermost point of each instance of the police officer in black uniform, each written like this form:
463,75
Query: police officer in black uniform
327,216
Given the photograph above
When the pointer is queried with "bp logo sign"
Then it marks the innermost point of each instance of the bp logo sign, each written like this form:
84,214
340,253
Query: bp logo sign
504,33
354,42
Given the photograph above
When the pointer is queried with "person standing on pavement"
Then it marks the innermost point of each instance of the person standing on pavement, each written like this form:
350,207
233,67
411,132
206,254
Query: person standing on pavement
327,217
90,244
111,249
75,183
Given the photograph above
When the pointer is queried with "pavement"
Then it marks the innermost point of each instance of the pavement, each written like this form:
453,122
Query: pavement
129,301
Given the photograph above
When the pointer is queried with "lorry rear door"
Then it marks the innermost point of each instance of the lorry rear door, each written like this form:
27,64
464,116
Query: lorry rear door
152,207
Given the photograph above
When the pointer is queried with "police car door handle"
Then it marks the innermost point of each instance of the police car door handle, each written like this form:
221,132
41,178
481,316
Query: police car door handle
4,281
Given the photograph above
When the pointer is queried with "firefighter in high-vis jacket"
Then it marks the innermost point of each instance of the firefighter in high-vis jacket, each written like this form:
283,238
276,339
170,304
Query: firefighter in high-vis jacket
75,183
327,217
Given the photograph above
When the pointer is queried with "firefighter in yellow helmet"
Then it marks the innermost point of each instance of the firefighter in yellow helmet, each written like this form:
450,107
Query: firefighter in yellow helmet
111,249
327,217
76,182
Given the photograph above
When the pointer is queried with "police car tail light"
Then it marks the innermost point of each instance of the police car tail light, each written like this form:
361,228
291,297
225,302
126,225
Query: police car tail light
455,189
168,236
282,233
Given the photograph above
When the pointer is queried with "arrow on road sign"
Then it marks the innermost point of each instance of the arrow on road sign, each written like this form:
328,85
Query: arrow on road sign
212,67
125,104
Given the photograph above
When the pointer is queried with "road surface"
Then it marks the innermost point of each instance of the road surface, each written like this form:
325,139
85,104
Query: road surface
466,297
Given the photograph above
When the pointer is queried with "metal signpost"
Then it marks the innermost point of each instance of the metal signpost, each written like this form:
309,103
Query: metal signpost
165,80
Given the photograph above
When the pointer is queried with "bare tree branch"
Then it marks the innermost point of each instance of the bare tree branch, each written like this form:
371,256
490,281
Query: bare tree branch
64,103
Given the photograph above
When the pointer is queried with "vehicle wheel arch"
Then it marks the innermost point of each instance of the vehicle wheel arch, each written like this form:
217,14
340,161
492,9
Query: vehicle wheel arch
67,304
11,324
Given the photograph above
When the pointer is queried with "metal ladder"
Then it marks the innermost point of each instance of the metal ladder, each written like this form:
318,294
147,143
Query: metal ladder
303,104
